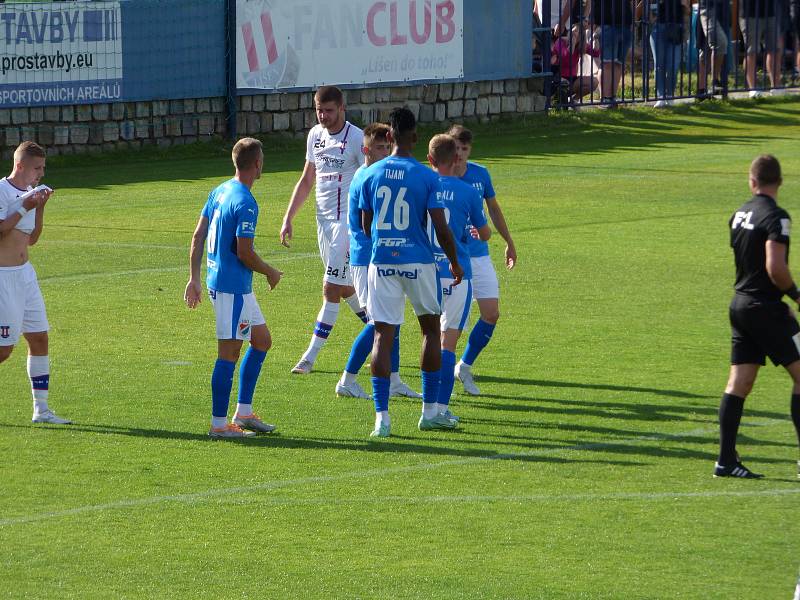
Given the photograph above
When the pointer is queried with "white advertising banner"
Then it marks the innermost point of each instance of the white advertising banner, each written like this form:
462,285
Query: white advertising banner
60,53
306,43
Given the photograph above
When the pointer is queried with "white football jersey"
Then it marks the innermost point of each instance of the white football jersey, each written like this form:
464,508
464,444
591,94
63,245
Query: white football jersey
10,202
336,157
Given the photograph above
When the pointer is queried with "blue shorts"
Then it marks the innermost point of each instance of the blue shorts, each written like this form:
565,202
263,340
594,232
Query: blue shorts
614,43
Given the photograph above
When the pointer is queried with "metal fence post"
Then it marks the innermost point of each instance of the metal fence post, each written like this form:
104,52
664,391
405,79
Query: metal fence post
230,68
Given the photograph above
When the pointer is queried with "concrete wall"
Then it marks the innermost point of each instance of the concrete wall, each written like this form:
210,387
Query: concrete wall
123,125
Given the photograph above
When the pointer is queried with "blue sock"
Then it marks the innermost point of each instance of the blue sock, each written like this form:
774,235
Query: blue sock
480,336
360,349
221,384
447,377
380,393
248,374
430,387
396,350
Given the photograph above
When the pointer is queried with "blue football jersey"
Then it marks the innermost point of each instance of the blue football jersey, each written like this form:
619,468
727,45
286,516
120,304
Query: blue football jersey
360,246
463,206
232,212
478,177
398,191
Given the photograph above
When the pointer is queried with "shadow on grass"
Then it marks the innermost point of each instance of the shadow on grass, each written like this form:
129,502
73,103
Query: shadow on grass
396,444
590,386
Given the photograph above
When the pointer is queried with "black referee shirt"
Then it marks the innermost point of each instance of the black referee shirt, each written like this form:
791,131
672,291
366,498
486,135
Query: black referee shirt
758,220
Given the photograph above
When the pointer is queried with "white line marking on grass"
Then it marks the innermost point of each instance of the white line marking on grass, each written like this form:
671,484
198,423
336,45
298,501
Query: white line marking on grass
104,274
303,481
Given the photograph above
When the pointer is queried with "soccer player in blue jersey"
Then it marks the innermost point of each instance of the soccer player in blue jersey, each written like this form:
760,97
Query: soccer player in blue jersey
376,147
463,208
396,200
228,224
485,287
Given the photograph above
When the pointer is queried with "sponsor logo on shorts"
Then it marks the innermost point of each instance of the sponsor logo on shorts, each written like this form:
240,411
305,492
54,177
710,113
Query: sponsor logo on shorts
391,242
391,272
447,291
5,331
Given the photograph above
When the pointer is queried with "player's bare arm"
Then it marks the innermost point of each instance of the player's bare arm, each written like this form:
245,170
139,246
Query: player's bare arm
43,197
246,252
10,222
446,241
194,289
301,191
778,269
499,222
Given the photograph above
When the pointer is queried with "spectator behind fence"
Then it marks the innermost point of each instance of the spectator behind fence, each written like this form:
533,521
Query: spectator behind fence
666,41
560,11
759,25
794,28
614,18
712,37
567,54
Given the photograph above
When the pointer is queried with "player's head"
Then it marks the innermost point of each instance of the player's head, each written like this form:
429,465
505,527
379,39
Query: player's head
29,159
442,152
765,172
329,105
403,128
248,157
463,138
376,142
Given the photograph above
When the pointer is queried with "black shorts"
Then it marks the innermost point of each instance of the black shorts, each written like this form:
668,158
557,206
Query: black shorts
760,329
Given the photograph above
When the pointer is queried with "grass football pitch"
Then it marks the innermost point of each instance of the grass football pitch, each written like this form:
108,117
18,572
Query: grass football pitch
583,471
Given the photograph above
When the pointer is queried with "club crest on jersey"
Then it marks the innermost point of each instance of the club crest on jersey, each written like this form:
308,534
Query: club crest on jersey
244,327
5,331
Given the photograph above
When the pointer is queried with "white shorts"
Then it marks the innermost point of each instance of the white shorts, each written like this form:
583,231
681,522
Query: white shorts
390,285
333,238
236,314
21,304
456,300
484,278
359,276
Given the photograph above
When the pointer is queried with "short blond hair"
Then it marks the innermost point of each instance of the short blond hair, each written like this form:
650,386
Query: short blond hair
28,150
443,149
246,152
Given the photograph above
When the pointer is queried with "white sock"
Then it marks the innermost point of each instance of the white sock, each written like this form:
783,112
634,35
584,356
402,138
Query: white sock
442,408
348,378
430,410
244,410
354,304
326,319
463,366
382,418
39,367
219,422
394,378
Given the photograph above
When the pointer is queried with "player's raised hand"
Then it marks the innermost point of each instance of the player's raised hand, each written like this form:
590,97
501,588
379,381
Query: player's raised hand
511,256
457,272
44,196
193,293
286,233
273,277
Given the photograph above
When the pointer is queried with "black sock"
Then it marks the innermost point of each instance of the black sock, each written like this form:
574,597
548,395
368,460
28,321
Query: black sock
796,414
730,415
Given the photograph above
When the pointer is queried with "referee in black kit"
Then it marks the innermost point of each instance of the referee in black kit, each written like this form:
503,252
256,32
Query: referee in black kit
761,324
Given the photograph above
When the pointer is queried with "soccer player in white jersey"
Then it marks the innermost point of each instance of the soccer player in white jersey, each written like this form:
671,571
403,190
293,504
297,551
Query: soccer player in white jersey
228,223
485,287
22,310
397,197
376,147
333,154
463,208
